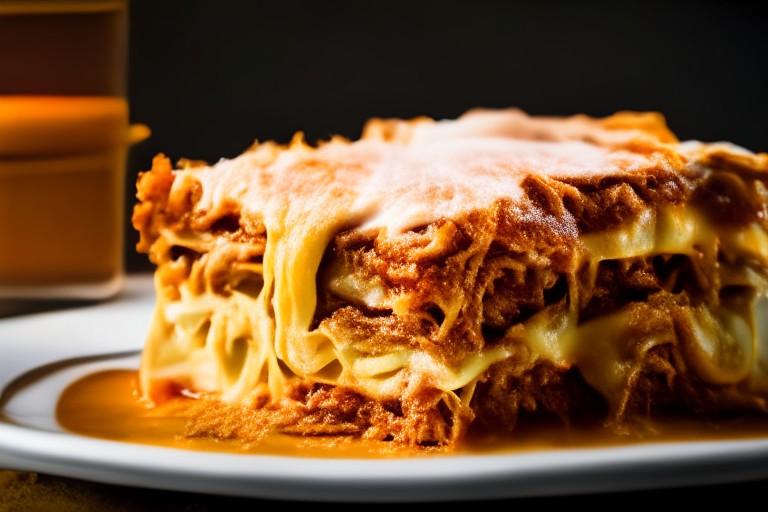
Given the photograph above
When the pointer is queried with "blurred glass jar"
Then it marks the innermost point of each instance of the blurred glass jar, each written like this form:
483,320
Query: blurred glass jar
64,135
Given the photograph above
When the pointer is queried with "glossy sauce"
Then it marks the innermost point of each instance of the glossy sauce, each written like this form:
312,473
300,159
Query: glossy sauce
107,405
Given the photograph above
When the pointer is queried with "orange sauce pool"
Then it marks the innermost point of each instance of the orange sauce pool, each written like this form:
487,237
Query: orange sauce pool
106,405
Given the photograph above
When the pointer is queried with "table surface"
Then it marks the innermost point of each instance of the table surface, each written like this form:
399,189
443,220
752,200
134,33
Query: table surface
29,491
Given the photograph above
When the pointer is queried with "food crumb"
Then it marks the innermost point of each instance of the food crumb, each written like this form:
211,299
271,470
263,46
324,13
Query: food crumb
30,492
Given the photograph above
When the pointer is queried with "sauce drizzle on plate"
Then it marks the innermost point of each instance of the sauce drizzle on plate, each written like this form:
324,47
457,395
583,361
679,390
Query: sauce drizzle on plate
107,405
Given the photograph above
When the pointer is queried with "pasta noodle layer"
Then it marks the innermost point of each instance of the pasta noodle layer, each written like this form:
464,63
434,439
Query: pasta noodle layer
434,277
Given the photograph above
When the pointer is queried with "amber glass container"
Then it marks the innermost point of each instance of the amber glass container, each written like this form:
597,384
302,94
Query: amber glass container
64,134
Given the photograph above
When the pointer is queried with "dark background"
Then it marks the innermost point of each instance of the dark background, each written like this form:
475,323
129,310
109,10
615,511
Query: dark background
209,77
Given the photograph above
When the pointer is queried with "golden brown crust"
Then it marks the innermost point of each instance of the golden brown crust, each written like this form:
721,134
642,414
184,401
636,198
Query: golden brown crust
153,189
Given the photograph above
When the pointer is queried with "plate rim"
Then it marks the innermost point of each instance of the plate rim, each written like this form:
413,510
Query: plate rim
431,478
558,472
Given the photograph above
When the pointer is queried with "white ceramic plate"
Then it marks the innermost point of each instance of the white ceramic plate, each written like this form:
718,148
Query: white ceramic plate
30,439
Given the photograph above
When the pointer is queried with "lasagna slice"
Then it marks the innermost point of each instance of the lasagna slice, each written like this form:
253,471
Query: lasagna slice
434,277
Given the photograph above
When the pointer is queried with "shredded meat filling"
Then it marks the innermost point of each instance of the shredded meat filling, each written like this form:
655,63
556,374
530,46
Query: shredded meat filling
422,420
